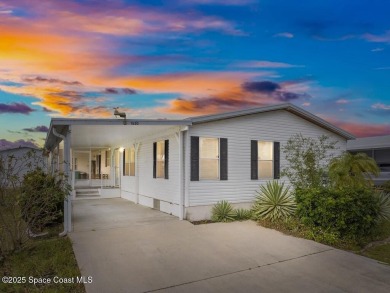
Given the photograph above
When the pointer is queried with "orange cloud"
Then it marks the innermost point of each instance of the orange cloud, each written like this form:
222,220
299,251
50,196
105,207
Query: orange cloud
244,95
187,83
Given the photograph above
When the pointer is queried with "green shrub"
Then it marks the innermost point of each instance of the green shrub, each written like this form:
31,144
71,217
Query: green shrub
41,199
242,214
348,212
273,202
384,205
386,186
223,212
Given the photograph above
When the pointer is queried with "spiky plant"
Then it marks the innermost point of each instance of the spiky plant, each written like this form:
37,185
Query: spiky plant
274,202
242,214
222,212
384,205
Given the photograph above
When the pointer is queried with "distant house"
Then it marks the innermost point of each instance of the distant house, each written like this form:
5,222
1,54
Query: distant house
376,147
18,161
182,167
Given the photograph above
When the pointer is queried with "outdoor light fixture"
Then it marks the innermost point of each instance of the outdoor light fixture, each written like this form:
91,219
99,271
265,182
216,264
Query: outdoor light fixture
120,114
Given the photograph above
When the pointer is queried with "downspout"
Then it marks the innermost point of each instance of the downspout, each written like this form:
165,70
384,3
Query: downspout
65,232
180,137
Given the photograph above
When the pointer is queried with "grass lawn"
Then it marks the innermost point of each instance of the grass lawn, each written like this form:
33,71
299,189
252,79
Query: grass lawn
44,258
380,252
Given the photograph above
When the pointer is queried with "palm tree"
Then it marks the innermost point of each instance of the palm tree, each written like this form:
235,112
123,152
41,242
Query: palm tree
353,170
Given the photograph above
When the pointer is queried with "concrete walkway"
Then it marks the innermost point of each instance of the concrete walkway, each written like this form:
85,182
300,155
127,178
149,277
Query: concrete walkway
130,248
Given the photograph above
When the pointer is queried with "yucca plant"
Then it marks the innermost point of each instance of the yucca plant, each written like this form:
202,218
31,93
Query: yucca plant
222,212
384,205
274,202
242,214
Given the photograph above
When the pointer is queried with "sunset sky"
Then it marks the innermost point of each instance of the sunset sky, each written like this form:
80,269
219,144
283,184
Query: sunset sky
176,59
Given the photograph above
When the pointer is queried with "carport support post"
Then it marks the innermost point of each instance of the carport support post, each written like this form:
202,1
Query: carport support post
179,139
136,148
68,174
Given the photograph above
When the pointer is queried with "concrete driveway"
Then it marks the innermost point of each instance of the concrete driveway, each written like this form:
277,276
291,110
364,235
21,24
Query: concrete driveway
130,248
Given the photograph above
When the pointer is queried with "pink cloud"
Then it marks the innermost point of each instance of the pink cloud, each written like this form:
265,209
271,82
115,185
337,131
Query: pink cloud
384,38
360,129
284,35
342,101
380,106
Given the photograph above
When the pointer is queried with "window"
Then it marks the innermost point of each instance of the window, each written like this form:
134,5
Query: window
108,158
129,162
160,159
265,159
209,158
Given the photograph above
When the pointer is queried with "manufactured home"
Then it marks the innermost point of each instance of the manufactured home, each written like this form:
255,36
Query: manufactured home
181,167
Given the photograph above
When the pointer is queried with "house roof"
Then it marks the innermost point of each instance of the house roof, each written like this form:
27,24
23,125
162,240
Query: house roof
373,142
286,106
115,126
18,148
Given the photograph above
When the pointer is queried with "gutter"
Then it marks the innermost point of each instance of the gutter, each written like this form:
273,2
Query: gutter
65,232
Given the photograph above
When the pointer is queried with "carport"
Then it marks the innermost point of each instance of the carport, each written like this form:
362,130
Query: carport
71,142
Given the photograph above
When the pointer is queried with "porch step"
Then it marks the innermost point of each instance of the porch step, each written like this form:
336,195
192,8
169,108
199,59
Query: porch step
90,192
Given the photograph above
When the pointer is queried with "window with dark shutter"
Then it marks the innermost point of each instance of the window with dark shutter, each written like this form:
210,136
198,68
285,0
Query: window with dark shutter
166,149
154,158
254,160
223,164
276,160
194,158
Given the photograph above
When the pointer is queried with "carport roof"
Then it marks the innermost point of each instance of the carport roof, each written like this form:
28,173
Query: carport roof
105,132
373,142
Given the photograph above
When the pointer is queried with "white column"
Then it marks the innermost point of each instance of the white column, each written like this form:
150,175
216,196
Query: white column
136,148
68,174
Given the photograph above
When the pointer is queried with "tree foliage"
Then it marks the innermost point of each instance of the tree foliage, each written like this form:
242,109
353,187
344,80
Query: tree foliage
308,159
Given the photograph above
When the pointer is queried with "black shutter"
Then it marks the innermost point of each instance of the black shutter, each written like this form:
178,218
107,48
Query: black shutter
254,160
124,163
194,158
276,160
154,158
166,148
223,159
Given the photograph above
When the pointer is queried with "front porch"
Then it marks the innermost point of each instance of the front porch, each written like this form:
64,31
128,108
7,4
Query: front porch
111,158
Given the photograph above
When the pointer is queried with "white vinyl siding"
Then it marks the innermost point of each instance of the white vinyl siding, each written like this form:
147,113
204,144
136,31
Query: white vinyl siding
270,126
265,157
167,191
208,158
